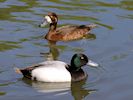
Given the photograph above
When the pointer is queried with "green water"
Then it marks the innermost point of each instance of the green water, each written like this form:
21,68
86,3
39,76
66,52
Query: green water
22,44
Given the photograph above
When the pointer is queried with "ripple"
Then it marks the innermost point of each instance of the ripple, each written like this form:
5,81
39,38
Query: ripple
8,45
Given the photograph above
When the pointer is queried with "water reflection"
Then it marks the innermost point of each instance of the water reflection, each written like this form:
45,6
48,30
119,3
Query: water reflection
126,4
77,90
126,16
54,52
7,15
105,25
47,87
120,56
2,93
8,45
4,83
81,18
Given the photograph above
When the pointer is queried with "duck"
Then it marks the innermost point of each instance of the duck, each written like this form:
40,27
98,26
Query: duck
64,33
58,71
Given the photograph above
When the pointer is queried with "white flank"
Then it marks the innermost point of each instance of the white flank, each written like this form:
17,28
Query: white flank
52,71
48,19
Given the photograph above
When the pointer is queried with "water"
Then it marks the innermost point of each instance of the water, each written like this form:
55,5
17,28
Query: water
21,42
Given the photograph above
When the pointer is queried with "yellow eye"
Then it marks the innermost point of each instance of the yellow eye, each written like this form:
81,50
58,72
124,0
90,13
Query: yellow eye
82,58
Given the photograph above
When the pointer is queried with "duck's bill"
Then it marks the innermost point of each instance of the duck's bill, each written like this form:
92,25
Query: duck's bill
46,20
44,23
92,64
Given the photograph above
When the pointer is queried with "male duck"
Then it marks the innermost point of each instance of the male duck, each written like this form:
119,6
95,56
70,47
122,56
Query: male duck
58,71
64,33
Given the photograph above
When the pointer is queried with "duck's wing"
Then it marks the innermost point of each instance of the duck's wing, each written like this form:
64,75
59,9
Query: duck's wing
27,71
73,28
54,64
66,29
72,32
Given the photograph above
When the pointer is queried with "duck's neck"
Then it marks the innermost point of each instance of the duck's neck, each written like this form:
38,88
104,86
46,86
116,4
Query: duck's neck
53,26
74,67
52,30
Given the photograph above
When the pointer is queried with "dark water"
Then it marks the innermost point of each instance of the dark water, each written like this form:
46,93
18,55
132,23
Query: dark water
21,43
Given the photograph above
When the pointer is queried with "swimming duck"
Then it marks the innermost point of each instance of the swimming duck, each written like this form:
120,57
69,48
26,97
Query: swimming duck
64,33
58,71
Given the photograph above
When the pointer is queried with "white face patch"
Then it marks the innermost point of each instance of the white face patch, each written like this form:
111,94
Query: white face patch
48,19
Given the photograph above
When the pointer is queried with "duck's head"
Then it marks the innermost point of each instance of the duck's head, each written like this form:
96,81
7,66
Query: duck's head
79,60
50,18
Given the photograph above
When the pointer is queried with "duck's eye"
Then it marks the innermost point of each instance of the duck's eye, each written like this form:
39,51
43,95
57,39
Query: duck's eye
81,58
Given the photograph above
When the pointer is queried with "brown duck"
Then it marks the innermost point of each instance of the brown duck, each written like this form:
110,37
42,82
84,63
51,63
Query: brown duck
64,33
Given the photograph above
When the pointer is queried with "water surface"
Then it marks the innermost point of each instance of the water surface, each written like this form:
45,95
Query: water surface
21,42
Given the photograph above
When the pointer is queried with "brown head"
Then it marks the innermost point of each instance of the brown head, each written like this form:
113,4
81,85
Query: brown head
51,18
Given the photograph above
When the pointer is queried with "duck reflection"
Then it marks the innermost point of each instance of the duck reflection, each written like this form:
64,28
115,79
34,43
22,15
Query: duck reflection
76,88
54,53
48,87
78,91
